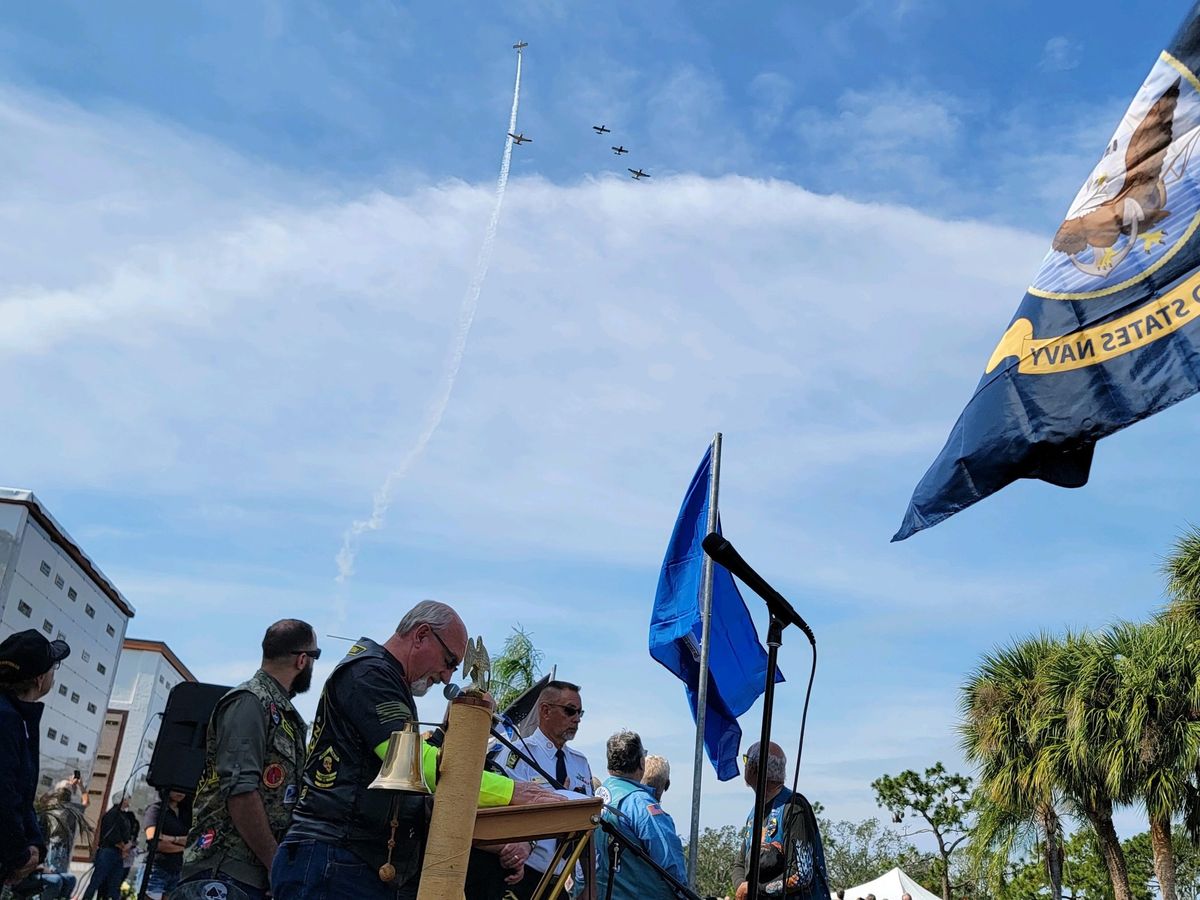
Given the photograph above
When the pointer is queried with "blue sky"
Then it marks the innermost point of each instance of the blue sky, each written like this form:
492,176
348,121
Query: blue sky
234,248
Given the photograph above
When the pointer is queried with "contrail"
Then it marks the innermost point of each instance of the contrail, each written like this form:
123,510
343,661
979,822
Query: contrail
437,409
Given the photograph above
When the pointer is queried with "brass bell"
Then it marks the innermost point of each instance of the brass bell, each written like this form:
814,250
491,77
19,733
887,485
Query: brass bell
401,769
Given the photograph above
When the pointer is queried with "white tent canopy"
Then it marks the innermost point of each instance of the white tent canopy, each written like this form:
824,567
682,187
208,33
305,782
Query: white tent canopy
891,886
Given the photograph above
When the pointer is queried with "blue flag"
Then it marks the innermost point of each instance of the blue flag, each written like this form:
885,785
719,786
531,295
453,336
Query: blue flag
1105,335
737,663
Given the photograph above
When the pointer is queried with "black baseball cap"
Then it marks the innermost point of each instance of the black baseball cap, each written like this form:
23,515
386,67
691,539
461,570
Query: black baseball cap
27,654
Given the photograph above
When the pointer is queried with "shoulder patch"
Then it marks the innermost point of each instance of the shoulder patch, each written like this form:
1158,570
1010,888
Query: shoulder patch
392,711
654,809
355,650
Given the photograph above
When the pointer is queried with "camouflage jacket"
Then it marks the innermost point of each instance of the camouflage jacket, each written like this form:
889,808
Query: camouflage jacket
213,842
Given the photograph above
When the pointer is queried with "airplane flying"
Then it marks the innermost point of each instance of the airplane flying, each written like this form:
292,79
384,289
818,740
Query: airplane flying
638,174
600,129
619,150
520,45
520,139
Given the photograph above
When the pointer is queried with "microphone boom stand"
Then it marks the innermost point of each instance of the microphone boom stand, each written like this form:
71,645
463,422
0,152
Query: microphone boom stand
782,614
774,642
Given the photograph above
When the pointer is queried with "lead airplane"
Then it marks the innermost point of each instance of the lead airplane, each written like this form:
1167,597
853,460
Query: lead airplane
619,150
600,129
520,45
520,139
638,174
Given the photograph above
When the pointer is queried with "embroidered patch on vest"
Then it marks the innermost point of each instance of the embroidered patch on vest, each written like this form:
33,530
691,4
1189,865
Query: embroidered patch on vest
326,775
275,716
272,775
206,839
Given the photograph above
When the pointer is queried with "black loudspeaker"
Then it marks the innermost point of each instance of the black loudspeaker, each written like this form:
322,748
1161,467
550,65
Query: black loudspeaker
178,758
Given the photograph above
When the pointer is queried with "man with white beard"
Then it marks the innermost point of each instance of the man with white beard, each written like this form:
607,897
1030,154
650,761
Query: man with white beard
339,836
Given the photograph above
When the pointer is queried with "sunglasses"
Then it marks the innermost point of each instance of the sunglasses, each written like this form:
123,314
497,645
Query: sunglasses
314,653
450,659
571,711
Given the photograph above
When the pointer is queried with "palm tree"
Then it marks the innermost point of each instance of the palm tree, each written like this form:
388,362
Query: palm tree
1075,727
1182,571
516,669
1018,806
1156,739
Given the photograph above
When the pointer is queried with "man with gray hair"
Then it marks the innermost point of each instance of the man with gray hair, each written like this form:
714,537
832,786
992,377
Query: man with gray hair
631,807
791,858
341,833
658,775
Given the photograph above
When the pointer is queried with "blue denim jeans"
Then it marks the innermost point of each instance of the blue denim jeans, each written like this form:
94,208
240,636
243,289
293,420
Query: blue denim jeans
108,870
314,870
160,883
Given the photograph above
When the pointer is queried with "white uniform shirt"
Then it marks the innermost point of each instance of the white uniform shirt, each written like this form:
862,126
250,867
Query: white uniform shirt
542,749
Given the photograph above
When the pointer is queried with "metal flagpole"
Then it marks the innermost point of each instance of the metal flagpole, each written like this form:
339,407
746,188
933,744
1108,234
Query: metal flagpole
706,586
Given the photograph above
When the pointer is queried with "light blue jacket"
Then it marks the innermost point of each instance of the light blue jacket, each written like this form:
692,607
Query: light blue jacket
631,807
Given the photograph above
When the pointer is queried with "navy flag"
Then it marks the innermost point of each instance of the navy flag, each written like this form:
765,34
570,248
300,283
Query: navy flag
737,663
1105,335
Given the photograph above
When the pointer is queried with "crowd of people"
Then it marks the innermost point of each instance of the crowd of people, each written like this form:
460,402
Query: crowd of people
283,810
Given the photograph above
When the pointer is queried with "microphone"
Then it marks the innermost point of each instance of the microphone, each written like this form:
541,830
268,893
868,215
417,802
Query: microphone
723,553
452,690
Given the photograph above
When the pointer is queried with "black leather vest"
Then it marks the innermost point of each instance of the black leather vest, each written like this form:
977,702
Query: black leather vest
335,805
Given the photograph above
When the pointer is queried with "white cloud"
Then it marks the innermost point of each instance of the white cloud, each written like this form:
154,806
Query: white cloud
886,142
1060,54
771,95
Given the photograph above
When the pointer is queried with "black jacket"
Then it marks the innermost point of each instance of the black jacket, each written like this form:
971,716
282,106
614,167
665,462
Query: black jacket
20,741
116,827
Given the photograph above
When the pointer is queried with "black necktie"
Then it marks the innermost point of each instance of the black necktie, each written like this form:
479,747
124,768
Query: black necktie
560,767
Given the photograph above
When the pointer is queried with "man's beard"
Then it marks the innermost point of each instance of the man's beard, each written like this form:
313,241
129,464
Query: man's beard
421,686
303,681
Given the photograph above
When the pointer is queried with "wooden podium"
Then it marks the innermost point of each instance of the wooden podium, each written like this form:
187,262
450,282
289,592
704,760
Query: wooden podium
571,823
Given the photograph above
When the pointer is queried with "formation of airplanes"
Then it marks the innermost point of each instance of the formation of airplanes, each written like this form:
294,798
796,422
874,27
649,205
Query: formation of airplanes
637,174
620,150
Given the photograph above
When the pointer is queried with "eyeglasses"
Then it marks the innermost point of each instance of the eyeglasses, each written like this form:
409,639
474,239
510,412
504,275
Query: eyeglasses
569,709
451,660
314,653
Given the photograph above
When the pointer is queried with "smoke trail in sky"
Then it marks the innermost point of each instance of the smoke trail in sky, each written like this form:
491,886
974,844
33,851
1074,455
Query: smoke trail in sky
433,417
